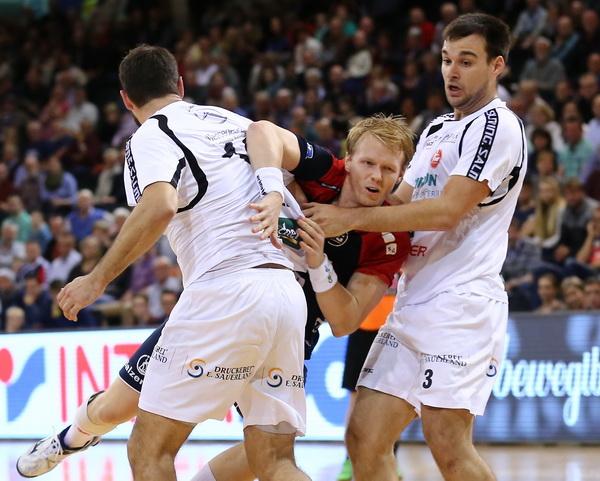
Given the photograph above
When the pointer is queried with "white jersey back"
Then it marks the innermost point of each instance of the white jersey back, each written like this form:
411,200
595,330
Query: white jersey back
201,151
487,145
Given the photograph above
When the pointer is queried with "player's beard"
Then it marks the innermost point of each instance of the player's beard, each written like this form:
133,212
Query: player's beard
469,103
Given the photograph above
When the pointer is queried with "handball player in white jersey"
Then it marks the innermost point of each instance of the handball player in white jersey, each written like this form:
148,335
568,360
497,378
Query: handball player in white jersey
439,352
242,313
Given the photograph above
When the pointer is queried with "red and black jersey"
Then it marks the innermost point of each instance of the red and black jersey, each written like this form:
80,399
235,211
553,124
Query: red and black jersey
321,176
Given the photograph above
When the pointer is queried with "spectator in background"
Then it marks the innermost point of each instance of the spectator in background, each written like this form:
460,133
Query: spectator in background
18,216
35,300
523,255
578,152
15,320
592,134
545,70
589,253
576,216
59,188
544,225
83,217
34,262
81,110
139,313
168,299
525,203
566,44
529,26
57,226
325,136
588,88
10,247
67,258
546,164
91,252
591,293
548,291
110,189
39,230
590,35
448,12
163,280
572,292
28,182
359,63
6,185
8,292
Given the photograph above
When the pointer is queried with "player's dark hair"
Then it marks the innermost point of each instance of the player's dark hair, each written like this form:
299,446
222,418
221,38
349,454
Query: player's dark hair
493,30
148,72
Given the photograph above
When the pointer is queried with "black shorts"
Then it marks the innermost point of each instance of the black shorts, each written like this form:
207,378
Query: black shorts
134,370
359,343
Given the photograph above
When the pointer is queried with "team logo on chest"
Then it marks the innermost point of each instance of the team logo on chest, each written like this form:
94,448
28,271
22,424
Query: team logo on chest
338,241
436,159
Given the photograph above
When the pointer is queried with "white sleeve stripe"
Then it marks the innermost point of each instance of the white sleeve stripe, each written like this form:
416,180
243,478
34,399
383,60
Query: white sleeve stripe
135,186
485,144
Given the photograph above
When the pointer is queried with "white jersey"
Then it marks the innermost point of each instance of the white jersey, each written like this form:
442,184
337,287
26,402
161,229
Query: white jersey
488,145
201,151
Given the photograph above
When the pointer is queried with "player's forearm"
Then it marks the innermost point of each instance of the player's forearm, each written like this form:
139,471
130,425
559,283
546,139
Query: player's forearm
139,233
341,309
422,215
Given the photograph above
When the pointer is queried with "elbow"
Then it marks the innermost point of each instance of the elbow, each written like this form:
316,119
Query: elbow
165,213
339,331
257,128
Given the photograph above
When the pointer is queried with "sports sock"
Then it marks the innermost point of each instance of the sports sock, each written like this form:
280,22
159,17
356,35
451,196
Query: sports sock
205,474
83,430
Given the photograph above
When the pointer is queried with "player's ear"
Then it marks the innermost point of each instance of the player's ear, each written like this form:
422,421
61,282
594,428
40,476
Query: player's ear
129,105
499,65
347,162
180,87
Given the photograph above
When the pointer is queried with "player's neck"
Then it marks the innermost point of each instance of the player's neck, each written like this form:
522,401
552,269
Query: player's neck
461,114
346,197
150,108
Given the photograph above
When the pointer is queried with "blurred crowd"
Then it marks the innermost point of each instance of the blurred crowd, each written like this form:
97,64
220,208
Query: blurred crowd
312,67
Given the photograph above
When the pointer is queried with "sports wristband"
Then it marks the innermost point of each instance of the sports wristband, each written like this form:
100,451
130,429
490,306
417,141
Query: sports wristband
269,179
323,277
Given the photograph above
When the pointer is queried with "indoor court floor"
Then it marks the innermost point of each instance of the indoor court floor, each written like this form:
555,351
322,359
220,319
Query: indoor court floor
108,462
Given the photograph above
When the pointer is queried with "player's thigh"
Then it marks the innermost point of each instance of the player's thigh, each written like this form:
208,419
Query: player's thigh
154,436
266,449
377,420
232,464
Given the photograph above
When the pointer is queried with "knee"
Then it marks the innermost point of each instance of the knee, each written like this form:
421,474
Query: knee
134,453
446,446
362,444
114,414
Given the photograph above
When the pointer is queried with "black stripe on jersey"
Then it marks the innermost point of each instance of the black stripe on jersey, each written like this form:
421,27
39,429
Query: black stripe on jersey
315,161
135,186
463,136
433,129
177,174
485,144
197,172
515,173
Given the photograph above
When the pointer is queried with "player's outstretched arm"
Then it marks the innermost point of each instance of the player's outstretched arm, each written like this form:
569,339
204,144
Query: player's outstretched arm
459,197
343,307
139,233
270,148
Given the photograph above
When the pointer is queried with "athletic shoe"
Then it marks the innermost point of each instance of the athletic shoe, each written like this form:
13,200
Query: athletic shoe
48,453
346,472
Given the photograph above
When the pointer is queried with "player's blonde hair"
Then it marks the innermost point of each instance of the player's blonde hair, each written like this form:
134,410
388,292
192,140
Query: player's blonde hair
391,130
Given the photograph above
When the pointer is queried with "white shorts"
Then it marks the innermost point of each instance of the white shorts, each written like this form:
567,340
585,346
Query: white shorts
235,338
443,353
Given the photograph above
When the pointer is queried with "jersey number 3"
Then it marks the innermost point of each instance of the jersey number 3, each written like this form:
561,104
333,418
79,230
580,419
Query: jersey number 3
428,379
